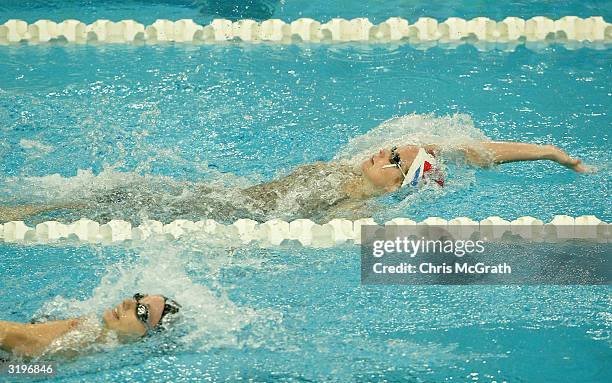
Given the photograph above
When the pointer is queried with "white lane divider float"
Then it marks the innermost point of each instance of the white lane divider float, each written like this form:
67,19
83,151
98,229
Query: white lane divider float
305,232
484,33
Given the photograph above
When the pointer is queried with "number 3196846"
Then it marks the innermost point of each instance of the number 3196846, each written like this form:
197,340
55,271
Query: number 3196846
27,369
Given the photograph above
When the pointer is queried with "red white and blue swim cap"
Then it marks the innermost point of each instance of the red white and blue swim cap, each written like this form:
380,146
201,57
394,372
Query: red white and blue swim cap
423,167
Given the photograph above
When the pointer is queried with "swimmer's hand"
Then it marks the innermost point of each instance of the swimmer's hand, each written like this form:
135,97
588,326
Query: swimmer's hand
575,164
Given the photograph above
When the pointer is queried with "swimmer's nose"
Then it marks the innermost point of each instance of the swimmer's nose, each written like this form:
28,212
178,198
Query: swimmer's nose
381,152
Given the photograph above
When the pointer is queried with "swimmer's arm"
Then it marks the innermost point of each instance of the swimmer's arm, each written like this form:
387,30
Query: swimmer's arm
20,340
21,212
485,154
30,340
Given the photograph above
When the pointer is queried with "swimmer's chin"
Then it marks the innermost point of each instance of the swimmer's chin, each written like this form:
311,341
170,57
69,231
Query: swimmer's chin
360,188
107,317
110,334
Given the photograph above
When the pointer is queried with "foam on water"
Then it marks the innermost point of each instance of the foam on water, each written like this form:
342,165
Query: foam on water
35,146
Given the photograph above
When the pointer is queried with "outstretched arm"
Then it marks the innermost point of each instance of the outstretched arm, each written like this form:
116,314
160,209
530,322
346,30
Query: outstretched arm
15,338
21,212
30,340
491,153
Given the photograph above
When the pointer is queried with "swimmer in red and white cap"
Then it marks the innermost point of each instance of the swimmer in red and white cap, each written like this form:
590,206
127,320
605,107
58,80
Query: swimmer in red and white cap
323,190
409,166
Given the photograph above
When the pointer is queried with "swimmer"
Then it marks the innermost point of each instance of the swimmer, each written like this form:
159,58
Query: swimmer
129,321
343,187
319,191
391,169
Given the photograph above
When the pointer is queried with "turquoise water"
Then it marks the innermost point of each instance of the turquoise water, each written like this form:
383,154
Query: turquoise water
244,114
301,315
78,120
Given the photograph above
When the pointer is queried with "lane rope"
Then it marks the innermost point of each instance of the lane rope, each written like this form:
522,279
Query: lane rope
304,231
484,33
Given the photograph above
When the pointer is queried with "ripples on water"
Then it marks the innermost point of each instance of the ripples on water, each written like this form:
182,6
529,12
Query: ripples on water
304,308
203,11
231,116
82,123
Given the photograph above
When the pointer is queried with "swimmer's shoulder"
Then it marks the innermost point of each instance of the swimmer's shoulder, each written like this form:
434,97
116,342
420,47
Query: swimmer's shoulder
30,339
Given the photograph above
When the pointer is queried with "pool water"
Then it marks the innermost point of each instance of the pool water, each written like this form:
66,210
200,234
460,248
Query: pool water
245,114
79,120
296,314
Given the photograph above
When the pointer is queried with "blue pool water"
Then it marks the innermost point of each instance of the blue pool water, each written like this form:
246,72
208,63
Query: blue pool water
79,120
246,114
301,315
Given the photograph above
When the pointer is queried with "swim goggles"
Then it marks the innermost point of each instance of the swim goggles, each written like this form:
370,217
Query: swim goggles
143,314
396,162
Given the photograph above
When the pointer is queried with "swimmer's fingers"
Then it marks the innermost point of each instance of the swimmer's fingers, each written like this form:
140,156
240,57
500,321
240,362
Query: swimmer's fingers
578,166
589,169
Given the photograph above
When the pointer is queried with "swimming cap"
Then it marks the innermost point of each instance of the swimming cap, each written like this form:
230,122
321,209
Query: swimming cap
423,164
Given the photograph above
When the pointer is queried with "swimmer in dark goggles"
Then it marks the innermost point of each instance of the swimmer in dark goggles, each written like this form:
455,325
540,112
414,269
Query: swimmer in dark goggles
143,314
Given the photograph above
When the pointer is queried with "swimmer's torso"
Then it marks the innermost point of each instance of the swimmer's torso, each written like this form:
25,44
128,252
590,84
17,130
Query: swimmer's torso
307,192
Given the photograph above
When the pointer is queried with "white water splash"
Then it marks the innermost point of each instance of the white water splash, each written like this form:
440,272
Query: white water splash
35,146
413,129
208,317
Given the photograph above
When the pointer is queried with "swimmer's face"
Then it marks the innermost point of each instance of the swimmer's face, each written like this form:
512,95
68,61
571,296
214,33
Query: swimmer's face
383,179
123,319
